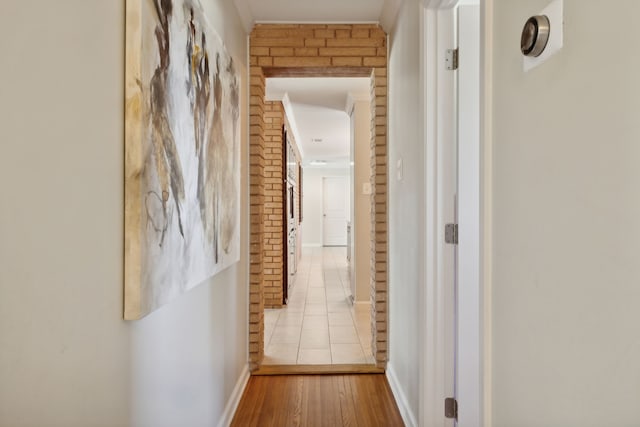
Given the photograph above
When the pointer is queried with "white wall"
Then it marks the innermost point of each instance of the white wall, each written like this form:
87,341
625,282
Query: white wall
312,202
406,200
66,357
361,225
566,236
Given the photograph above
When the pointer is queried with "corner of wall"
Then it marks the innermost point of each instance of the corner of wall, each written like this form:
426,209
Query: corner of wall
234,400
408,416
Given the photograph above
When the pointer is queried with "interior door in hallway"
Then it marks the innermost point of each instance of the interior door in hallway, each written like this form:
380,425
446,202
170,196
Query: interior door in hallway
335,204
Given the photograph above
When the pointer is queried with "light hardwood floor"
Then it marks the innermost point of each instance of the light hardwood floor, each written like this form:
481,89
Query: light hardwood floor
318,401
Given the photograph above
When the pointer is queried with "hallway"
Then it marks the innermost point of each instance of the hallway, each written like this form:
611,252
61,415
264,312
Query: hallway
319,326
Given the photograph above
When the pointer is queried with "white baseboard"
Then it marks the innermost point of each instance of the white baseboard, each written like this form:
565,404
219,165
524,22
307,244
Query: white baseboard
403,404
234,399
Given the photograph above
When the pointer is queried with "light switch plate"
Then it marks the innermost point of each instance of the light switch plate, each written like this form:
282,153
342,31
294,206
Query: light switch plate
399,170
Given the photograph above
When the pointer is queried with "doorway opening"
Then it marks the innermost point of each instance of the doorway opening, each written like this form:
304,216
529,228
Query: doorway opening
279,51
325,318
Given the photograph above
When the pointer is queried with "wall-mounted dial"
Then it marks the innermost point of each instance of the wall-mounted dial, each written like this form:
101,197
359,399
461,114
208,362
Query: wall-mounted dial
535,35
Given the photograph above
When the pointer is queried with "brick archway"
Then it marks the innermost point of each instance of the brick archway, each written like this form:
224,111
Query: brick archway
304,50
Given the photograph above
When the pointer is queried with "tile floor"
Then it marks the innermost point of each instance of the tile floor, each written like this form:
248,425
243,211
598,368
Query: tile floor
319,326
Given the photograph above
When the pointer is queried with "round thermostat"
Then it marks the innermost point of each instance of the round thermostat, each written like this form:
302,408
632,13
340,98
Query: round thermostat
535,35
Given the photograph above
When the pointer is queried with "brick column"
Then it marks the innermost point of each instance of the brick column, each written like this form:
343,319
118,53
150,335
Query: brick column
256,183
379,258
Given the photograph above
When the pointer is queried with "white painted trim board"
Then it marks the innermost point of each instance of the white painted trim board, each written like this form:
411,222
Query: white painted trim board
407,414
234,399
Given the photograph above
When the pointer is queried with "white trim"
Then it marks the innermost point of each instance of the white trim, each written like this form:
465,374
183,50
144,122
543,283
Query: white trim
234,399
403,404
486,196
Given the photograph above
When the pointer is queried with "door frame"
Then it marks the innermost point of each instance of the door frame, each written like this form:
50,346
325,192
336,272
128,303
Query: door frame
438,94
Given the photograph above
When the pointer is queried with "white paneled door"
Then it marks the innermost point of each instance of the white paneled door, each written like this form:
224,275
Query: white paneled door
335,214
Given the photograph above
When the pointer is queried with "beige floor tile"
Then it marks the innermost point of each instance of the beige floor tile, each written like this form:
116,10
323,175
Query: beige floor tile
314,356
286,335
317,296
343,335
315,309
340,318
316,322
338,307
290,318
336,297
347,353
271,316
296,307
315,339
268,333
281,354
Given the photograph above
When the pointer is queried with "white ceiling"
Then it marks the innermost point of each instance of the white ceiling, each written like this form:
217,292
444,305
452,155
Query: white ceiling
316,108
310,10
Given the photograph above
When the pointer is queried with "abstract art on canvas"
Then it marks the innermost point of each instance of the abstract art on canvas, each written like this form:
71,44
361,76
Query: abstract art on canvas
181,153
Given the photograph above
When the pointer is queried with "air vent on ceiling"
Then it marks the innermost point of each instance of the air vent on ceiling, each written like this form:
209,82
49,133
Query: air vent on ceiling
316,139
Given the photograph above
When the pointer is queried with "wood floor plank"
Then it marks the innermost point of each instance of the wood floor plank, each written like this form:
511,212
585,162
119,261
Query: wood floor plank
347,404
318,401
364,397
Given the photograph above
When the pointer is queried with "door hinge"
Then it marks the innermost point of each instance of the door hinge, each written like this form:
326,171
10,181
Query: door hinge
451,233
451,408
452,59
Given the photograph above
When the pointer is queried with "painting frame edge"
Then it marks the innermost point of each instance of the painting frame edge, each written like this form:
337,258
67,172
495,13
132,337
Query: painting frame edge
133,159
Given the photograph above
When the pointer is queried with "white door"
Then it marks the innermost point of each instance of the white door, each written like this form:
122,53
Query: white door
335,203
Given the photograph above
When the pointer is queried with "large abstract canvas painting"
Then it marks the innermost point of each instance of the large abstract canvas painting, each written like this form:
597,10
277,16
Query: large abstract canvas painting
181,155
